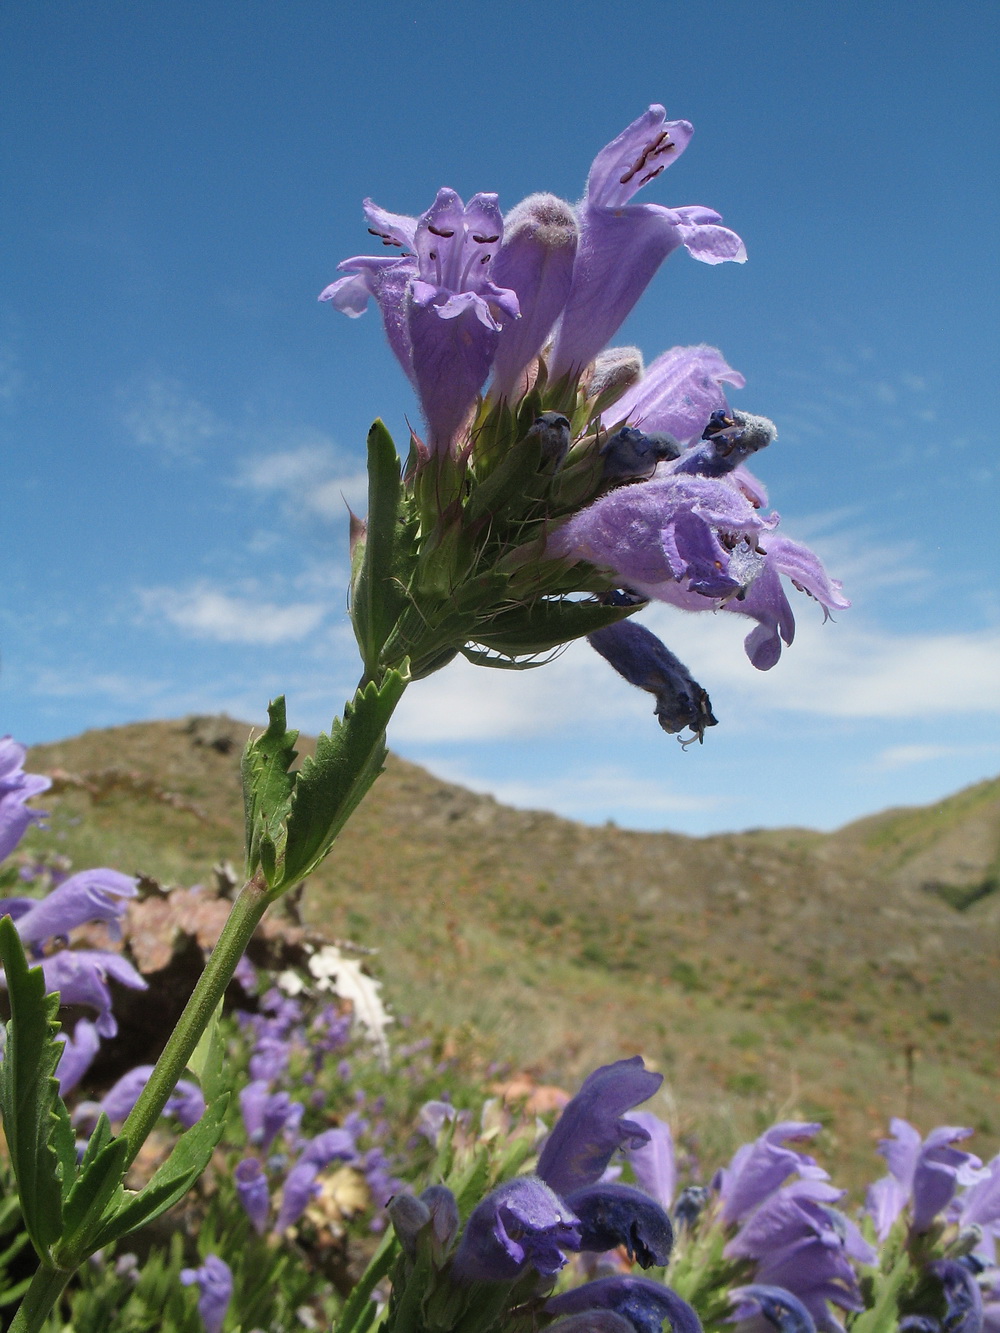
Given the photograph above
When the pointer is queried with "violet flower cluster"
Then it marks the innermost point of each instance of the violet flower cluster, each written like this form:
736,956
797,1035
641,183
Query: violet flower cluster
80,975
283,1171
553,464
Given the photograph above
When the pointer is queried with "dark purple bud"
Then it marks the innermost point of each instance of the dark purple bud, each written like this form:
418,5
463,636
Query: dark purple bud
444,1213
644,1303
522,1222
16,787
409,1217
638,655
613,1215
591,1127
729,439
690,1205
593,1321
215,1282
962,1296
778,1306
252,1192
552,431
629,455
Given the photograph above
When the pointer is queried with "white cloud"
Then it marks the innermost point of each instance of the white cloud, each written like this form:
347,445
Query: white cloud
837,670
207,613
313,477
163,415
581,795
905,756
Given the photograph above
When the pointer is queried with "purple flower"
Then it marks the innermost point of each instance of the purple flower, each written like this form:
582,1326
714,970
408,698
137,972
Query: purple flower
759,1168
91,895
299,1189
442,313
924,1172
535,261
77,1056
629,455
522,1222
16,787
252,1192
186,1102
612,1215
653,1162
432,1118
701,544
637,654
816,1270
591,1127
645,1304
331,1145
623,244
81,977
269,1059
979,1205
963,1299
778,1306
214,1280
678,393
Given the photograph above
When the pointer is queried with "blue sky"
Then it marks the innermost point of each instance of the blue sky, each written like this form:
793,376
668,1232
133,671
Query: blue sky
181,421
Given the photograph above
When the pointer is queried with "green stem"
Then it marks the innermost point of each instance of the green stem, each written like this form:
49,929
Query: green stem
45,1289
248,909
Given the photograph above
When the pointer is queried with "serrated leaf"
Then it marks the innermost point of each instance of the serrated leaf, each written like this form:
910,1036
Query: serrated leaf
35,1120
267,781
171,1182
376,596
331,784
479,657
208,1058
87,1200
544,625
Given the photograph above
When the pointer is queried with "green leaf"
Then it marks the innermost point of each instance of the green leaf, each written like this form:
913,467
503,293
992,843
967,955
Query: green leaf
331,785
506,488
35,1121
545,624
479,657
171,1182
377,595
208,1058
87,1201
267,782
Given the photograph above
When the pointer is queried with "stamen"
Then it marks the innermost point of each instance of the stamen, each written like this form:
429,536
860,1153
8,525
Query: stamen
661,144
384,237
440,231
485,240
650,175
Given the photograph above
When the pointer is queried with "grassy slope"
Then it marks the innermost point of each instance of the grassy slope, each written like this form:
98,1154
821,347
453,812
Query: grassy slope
773,972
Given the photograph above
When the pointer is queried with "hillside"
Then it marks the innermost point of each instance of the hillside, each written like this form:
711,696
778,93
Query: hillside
846,977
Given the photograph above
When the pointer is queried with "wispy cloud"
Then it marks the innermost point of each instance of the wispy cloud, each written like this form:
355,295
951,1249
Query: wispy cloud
161,414
905,756
313,477
209,613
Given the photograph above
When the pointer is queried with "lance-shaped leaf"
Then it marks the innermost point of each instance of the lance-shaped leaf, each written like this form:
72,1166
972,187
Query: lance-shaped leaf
35,1120
547,623
267,787
330,785
207,1061
376,593
100,1176
191,1155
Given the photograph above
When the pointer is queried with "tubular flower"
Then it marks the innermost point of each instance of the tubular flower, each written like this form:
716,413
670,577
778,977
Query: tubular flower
91,895
623,244
638,655
645,1304
442,313
16,787
214,1280
759,1168
592,1125
522,1222
779,1307
613,1215
923,1172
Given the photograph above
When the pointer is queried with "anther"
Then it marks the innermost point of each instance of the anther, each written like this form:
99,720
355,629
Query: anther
661,144
484,240
440,231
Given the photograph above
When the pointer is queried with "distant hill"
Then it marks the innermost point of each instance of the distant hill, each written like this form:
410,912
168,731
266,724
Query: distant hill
845,977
